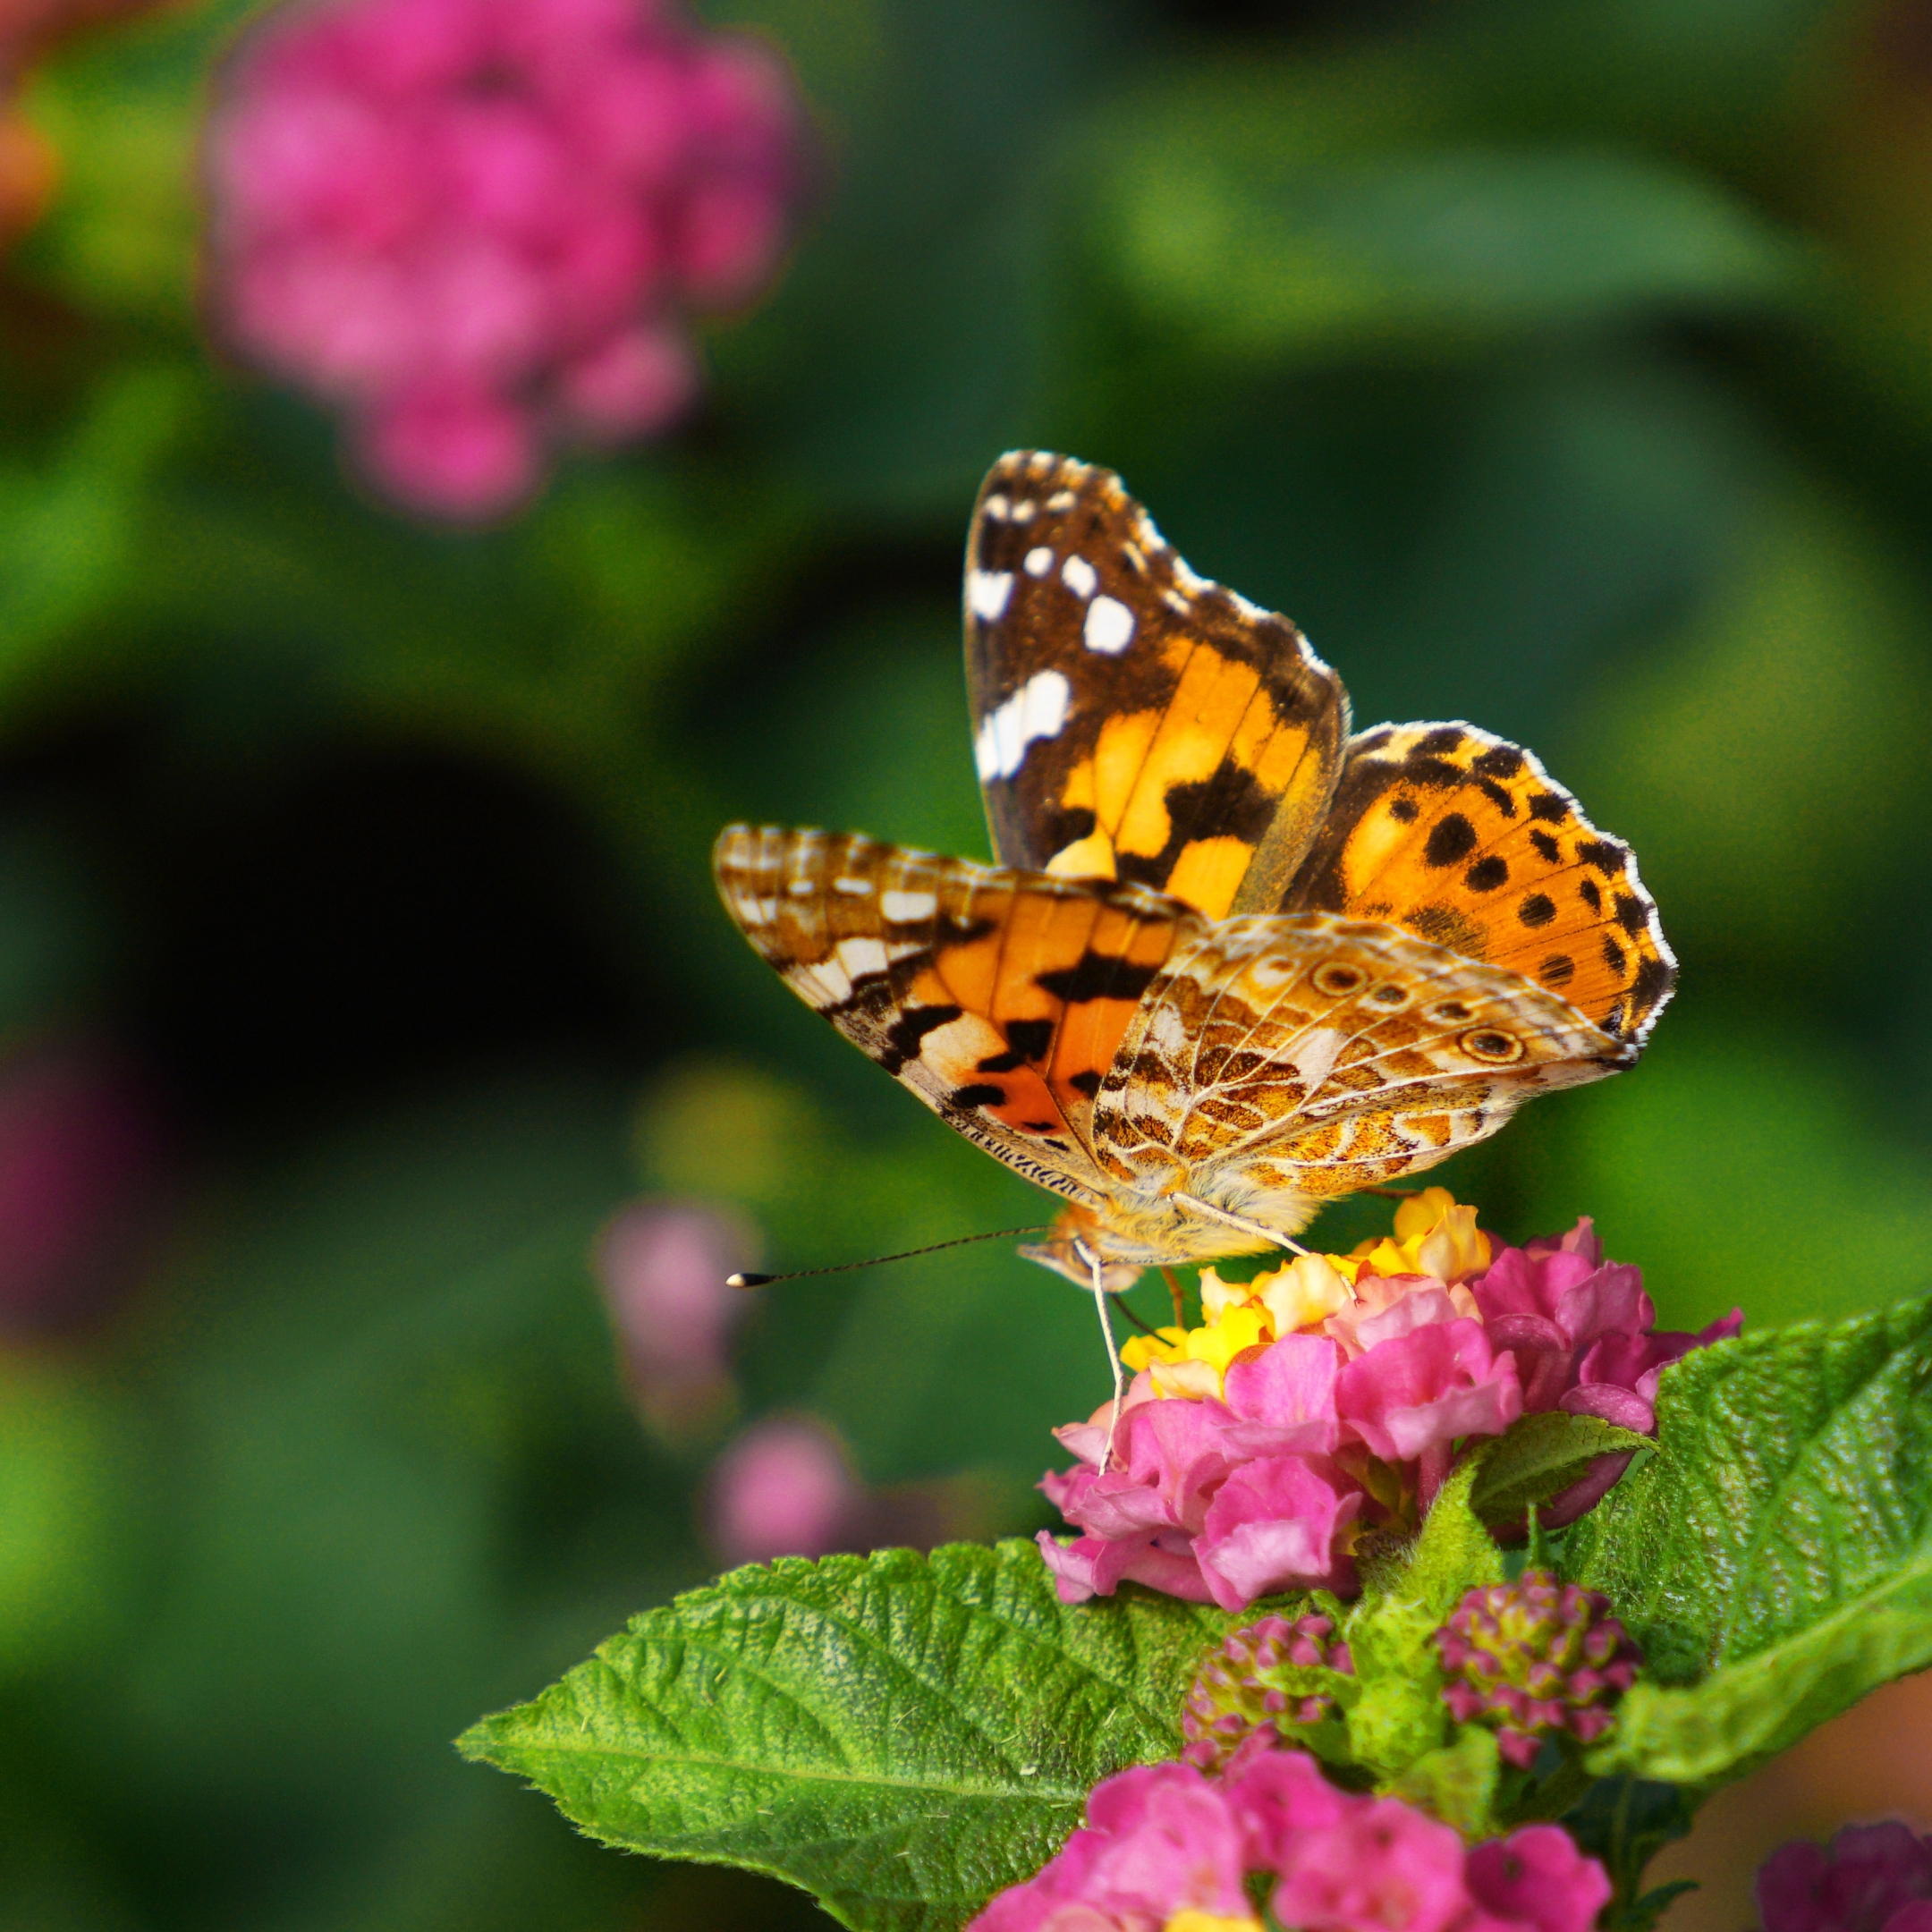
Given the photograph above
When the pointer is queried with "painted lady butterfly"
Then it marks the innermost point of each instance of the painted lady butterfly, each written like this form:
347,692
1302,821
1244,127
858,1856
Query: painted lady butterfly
1235,962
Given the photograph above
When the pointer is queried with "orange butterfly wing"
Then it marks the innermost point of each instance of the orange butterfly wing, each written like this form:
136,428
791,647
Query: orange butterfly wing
999,997
1463,839
1130,719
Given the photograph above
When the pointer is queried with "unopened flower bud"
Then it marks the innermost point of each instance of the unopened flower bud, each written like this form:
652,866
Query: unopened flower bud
1535,1660
1243,1693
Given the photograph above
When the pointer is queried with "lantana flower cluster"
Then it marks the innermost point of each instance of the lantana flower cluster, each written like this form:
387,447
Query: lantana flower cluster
478,226
1330,1397
1166,1848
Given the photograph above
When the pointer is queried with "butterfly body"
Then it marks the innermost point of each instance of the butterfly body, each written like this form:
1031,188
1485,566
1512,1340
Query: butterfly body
1237,963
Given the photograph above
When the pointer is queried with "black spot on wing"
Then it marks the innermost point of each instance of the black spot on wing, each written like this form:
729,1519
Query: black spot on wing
1630,914
1605,854
1546,805
1450,838
1404,810
1538,910
1613,954
1230,803
977,1095
1588,891
1440,742
1655,978
1547,848
1096,976
1030,1038
1558,970
1499,761
1486,874
903,1038
1087,1081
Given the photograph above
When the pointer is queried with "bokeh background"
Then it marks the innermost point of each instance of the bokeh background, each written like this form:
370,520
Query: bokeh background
381,1088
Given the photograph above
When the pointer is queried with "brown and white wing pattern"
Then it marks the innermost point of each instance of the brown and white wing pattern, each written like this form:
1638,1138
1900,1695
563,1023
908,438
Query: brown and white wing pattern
1294,1055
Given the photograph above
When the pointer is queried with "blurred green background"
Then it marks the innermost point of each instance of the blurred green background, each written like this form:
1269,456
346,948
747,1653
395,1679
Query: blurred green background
1564,366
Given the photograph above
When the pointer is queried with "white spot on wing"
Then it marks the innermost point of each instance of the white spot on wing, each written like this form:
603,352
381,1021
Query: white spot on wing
1038,709
996,507
987,591
856,888
1060,500
1080,576
1038,561
859,957
1109,627
907,905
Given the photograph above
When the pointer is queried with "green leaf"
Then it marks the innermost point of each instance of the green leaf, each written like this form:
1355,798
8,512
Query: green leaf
1271,253
1624,1823
901,1735
1540,1458
1774,1561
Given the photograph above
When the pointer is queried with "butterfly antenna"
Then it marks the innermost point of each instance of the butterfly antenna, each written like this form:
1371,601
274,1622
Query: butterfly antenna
846,1267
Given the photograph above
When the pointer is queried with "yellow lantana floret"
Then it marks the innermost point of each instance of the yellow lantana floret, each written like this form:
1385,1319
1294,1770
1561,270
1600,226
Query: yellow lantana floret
1434,1236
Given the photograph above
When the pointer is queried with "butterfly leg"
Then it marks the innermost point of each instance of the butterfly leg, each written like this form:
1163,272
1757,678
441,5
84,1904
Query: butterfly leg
1107,1331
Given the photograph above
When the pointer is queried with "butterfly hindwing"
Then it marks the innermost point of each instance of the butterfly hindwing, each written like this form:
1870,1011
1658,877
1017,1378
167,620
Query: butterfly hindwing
999,997
1131,720
1304,1055
1464,839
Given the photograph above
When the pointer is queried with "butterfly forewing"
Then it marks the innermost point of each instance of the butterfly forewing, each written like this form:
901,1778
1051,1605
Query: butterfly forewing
999,997
1131,720
1464,839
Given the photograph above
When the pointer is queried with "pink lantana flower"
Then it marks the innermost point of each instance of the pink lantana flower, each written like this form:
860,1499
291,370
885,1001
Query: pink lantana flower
1160,1840
1335,1394
1164,1843
478,226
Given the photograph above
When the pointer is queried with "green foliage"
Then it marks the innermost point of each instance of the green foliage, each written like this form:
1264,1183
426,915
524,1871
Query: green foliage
901,1735
1772,1560
1540,1457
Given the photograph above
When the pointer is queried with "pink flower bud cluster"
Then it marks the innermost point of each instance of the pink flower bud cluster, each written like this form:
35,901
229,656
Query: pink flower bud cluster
476,226
1232,1705
1251,1454
1870,1878
1164,1846
1535,1660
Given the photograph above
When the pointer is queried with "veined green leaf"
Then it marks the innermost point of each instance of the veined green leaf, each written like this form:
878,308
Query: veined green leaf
1540,1458
1775,1560
901,1735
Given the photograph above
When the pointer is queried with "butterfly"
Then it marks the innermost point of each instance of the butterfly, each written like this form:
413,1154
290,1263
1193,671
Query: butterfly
1233,961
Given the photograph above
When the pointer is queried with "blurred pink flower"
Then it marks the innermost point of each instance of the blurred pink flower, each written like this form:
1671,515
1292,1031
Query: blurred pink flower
662,1265
478,226
783,1489
78,1160
1870,1878
1164,1840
